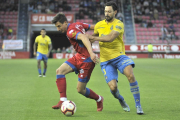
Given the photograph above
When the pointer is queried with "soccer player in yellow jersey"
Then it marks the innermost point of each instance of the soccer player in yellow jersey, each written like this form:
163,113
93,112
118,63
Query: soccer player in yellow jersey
112,55
44,47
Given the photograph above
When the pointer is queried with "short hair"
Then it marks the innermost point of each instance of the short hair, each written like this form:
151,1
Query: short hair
60,17
43,29
113,4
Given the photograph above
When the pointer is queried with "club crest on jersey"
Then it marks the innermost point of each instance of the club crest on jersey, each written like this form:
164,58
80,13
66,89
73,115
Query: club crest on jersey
81,71
111,27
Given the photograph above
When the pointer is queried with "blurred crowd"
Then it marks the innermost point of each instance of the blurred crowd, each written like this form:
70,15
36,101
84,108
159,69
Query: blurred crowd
8,5
6,32
69,49
167,11
87,9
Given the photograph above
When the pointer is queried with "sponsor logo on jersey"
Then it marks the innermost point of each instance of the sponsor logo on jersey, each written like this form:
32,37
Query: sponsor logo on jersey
118,27
74,33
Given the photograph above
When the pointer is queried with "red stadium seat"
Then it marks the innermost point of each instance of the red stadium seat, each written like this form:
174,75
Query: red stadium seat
2,12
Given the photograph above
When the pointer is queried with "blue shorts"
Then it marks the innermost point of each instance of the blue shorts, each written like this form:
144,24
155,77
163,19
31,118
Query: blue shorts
109,68
41,56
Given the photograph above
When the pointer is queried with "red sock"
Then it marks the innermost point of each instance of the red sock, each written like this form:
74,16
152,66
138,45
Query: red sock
61,85
93,95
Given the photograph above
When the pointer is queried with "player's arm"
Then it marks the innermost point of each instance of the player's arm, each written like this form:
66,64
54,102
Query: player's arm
107,38
87,43
49,48
92,27
35,48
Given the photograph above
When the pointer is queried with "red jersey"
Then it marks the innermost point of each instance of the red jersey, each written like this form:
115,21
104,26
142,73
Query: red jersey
72,32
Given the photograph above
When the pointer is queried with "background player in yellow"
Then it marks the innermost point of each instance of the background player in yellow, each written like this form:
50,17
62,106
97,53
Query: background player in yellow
44,46
112,55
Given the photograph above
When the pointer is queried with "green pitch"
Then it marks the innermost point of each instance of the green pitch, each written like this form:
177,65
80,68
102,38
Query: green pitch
24,96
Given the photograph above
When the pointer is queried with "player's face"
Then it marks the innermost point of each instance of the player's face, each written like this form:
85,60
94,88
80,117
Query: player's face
43,32
109,13
61,27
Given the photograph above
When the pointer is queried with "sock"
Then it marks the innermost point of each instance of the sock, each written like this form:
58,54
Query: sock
44,71
91,94
61,85
135,91
117,95
39,70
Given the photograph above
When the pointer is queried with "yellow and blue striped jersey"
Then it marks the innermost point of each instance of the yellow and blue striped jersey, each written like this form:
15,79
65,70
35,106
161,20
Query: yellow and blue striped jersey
110,50
43,43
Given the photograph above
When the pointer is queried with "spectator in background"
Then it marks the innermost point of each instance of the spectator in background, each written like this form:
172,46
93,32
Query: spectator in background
120,16
147,11
156,14
171,28
53,51
30,7
68,50
146,3
144,23
10,31
63,50
168,49
164,33
149,24
81,15
58,50
39,7
138,19
150,50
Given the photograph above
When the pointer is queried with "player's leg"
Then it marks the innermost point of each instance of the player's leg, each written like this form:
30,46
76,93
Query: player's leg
82,89
111,75
45,59
125,66
84,76
128,72
61,83
39,58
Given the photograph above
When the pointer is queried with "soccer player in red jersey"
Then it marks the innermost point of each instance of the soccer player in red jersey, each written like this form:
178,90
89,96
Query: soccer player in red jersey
82,63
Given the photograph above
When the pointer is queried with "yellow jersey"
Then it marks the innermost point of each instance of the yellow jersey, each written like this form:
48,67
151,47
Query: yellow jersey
43,43
110,50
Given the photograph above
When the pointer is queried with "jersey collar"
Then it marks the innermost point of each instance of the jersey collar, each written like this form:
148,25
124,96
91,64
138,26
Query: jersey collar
68,25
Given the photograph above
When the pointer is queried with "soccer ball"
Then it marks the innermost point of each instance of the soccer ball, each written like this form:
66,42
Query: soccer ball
68,108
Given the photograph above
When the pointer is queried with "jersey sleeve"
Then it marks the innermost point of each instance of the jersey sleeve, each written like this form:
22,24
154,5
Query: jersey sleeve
119,27
49,40
86,26
72,34
36,40
95,29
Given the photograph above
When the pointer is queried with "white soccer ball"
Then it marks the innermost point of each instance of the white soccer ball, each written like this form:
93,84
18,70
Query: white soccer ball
68,108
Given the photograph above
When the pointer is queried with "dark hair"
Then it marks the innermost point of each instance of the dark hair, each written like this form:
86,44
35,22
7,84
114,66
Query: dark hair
43,29
113,4
60,17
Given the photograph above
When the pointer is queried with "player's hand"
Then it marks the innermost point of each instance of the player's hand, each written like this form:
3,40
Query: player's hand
91,38
94,58
47,55
34,53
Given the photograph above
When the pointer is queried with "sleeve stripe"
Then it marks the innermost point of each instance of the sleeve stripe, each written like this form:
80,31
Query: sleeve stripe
77,35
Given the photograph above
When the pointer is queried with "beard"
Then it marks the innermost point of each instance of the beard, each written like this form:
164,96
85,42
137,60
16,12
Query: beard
108,18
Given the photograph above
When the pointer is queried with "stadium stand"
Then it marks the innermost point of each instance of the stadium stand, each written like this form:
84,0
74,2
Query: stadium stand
150,16
8,19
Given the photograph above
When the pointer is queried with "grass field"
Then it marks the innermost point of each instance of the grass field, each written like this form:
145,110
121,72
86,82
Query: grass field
24,96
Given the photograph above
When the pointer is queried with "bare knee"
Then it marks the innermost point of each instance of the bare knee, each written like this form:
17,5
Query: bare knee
113,85
131,78
79,90
59,71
